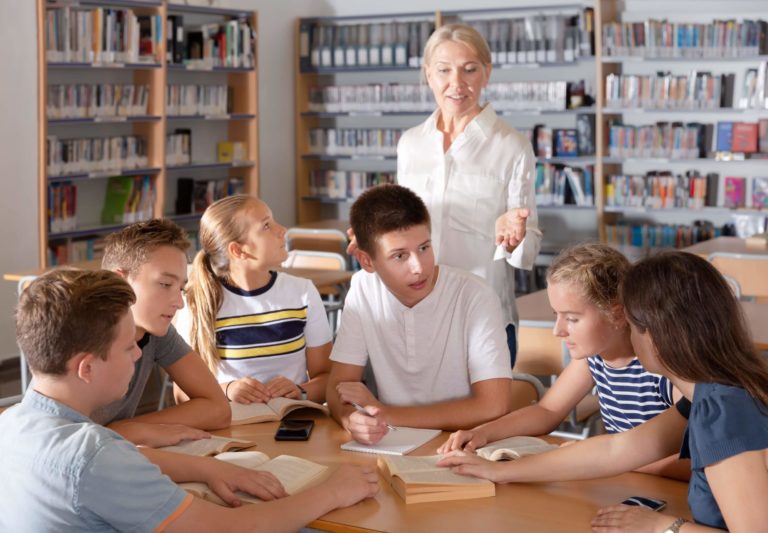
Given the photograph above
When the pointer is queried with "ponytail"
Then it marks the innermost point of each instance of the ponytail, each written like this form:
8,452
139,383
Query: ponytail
204,298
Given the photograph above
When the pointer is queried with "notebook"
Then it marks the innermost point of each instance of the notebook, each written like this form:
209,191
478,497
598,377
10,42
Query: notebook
398,442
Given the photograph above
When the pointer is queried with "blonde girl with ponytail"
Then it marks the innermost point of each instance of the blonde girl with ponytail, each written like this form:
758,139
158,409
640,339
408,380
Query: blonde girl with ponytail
264,334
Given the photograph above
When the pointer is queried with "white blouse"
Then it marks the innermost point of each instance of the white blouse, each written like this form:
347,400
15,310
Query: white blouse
488,170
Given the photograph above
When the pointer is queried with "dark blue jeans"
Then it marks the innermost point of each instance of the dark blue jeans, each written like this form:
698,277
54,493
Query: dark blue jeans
512,343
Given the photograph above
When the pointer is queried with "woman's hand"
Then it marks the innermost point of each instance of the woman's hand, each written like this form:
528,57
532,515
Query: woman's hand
630,518
510,228
471,465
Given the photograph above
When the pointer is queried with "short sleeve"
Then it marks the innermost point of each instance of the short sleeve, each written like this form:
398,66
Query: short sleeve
487,346
120,487
665,390
170,348
350,346
317,331
725,422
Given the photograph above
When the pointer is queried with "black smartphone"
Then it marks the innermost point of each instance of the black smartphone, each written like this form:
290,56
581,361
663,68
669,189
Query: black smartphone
650,503
294,429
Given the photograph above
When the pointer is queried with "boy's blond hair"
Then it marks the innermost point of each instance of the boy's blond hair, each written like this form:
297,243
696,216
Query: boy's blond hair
69,311
129,248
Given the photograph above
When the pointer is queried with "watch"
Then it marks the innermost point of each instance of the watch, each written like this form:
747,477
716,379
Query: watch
675,526
302,391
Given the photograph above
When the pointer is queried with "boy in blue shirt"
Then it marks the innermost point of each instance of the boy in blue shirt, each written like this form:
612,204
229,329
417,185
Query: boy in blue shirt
63,472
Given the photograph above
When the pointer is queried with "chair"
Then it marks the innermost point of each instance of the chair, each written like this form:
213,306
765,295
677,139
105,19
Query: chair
526,390
333,297
318,240
749,271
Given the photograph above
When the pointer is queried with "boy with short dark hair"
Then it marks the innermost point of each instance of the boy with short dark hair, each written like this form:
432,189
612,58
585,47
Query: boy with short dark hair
434,335
151,256
68,474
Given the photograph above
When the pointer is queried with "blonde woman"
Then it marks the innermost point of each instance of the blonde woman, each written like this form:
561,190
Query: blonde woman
264,334
474,171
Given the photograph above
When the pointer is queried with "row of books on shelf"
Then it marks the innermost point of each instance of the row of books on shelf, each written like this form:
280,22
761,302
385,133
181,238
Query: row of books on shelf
66,251
95,154
655,38
563,142
86,100
75,251
343,184
128,199
230,43
540,38
564,185
665,190
396,97
695,90
178,147
677,140
652,236
328,45
101,35
354,141
198,99
194,196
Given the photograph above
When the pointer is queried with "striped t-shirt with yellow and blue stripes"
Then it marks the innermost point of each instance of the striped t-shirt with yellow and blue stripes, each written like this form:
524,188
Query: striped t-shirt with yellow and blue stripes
263,333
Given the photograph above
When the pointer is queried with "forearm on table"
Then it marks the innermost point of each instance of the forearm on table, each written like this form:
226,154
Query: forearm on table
201,413
531,420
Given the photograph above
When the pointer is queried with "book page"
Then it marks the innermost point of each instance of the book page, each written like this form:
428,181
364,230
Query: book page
212,446
400,464
283,406
252,413
441,476
397,442
244,459
514,448
293,472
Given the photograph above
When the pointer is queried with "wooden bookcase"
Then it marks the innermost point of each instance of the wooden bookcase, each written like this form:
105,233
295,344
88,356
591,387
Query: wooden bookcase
560,224
240,124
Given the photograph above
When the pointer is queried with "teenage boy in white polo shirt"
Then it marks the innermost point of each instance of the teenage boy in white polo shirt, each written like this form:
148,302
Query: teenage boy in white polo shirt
434,335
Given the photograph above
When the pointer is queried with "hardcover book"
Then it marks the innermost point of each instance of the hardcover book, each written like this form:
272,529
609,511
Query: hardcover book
735,192
273,410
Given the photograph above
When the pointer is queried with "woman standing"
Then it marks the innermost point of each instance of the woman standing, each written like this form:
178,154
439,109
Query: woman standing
473,170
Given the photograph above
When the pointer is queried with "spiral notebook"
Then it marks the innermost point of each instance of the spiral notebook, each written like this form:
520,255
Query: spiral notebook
398,442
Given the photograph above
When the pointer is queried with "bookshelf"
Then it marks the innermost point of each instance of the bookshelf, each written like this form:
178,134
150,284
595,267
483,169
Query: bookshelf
316,83
114,95
339,102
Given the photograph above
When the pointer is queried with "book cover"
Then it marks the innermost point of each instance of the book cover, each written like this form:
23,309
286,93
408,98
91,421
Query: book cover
744,137
762,128
585,128
724,136
760,193
119,193
735,192
566,144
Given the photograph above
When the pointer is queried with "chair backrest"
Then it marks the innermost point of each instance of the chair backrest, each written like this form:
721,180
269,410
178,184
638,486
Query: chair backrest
749,270
526,390
320,240
313,259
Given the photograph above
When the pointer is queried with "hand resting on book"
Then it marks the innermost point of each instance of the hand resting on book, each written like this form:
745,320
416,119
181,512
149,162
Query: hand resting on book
247,390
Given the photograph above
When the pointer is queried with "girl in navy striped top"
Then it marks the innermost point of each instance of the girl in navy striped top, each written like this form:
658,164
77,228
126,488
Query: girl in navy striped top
582,286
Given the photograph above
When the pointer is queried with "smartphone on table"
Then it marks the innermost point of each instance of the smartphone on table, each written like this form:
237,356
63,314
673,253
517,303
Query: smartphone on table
642,501
294,429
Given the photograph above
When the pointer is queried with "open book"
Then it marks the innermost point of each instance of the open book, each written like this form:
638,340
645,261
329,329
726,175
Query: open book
294,473
418,479
514,448
210,446
273,410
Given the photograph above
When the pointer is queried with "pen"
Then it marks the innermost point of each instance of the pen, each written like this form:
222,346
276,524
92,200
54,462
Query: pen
361,409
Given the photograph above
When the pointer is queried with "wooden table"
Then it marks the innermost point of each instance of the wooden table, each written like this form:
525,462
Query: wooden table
731,245
530,508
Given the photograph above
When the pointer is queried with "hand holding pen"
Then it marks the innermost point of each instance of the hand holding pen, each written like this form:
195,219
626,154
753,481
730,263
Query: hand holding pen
361,409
